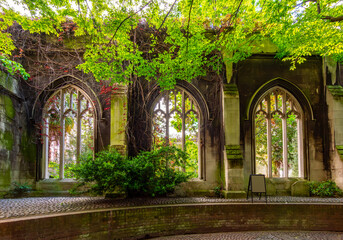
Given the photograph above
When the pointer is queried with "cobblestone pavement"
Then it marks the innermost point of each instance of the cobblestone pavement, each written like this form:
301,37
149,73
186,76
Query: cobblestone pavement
13,208
260,236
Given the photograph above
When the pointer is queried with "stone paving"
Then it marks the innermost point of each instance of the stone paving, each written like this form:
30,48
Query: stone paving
14,208
259,236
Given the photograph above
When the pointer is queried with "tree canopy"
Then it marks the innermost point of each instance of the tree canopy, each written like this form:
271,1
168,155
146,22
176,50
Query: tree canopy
194,33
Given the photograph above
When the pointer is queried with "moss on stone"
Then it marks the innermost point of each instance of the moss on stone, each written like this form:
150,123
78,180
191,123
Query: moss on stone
340,151
231,89
28,148
336,91
8,82
9,109
6,140
5,176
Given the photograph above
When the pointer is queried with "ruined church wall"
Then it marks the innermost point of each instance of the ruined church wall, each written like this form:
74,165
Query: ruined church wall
206,90
17,145
334,98
253,73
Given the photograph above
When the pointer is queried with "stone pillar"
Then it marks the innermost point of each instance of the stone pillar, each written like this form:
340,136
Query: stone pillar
119,119
335,112
233,158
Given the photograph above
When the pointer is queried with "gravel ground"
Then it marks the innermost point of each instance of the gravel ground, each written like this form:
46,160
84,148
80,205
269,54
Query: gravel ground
259,236
13,208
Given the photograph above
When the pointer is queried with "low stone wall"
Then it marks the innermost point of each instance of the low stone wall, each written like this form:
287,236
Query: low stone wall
144,222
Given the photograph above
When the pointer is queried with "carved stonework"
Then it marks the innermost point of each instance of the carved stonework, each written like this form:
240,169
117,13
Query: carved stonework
120,148
234,156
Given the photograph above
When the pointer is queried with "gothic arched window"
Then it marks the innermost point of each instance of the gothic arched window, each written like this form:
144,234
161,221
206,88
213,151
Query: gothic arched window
278,135
176,122
68,131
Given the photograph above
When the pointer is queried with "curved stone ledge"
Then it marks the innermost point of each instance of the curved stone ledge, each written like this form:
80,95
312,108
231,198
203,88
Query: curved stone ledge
152,221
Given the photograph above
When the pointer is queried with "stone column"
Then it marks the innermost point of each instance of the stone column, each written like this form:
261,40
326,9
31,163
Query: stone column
119,119
334,99
234,178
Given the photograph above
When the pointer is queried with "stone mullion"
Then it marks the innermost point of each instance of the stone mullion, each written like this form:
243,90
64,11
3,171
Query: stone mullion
45,163
183,119
62,137
284,137
78,119
269,138
201,173
300,147
167,119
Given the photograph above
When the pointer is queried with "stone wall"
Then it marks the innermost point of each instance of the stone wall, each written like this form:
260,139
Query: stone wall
207,92
335,111
17,145
144,222
255,75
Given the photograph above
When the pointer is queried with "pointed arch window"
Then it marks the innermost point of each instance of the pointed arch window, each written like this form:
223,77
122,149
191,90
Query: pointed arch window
68,131
176,121
279,135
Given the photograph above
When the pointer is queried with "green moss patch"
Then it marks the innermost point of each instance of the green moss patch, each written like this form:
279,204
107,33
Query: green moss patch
340,150
231,89
336,91
234,156
6,140
8,104
28,148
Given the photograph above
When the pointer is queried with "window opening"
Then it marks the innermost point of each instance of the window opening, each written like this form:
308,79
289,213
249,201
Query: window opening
278,135
176,122
68,130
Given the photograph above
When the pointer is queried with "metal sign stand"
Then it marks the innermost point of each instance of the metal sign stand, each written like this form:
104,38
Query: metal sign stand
257,184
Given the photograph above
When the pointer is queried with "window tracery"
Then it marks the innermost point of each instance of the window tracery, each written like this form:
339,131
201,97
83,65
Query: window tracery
278,135
176,122
68,120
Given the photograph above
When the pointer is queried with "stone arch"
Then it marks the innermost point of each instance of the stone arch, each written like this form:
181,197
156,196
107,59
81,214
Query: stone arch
58,83
287,85
307,115
68,129
153,94
47,93
197,97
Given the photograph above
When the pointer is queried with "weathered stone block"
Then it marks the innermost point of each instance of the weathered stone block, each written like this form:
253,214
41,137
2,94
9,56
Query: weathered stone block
271,189
300,188
234,194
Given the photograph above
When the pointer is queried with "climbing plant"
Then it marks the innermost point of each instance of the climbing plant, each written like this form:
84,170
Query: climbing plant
182,38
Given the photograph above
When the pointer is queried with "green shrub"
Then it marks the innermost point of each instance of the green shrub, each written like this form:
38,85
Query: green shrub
153,173
218,192
324,189
19,189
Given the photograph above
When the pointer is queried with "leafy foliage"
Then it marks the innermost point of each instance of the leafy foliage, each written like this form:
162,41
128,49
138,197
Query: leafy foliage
218,192
148,174
182,131
13,67
185,37
325,189
19,189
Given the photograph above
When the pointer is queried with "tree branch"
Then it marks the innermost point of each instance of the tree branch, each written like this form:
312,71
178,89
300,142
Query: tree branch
167,15
333,19
189,18
128,17
318,7
228,23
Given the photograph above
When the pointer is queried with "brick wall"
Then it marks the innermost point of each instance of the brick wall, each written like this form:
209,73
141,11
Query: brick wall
139,222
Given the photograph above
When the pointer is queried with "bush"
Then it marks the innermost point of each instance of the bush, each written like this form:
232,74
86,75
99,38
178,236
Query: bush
325,189
19,190
154,173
